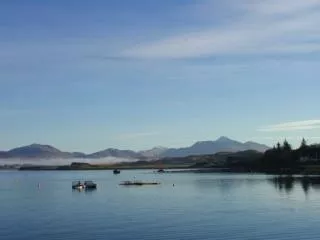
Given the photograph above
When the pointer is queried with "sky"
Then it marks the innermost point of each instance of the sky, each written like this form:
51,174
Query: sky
89,75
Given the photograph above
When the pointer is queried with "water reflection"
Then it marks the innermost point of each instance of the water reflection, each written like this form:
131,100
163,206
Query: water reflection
224,185
85,191
228,184
287,183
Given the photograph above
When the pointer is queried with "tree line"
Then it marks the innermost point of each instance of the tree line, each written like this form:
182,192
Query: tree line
284,157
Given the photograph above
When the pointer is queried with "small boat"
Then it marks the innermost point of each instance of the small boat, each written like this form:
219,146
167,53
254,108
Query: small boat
160,171
86,185
116,171
77,185
90,185
137,183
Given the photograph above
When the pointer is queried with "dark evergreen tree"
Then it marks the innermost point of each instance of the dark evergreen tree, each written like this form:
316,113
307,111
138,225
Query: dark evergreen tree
303,144
286,146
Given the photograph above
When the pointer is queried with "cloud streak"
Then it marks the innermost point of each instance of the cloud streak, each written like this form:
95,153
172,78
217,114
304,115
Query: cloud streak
266,27
292,126
273,7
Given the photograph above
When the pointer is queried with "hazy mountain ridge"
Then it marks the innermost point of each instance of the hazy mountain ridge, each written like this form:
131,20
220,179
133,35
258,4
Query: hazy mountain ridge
154,152
222,144
37,151
112,152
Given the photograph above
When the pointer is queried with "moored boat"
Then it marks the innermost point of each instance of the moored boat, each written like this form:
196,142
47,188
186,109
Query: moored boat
85,185
90,185
77,185
116,171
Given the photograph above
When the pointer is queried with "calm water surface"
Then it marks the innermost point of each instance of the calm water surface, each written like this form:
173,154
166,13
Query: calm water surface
198,206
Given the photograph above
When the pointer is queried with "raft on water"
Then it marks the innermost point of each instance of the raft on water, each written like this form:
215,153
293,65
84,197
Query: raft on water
86,185
138,183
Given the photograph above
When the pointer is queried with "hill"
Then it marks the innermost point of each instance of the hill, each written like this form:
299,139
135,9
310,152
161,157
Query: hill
36,151
155,152
112,152
222,144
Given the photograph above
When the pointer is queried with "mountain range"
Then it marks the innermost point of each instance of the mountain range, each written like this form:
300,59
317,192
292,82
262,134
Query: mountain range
222,144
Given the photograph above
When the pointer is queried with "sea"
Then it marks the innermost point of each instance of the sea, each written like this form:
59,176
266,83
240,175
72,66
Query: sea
36,205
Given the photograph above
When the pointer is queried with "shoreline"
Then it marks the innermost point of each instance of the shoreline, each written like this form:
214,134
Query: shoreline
174,169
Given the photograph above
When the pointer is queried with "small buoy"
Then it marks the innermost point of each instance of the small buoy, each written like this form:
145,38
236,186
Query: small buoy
172,185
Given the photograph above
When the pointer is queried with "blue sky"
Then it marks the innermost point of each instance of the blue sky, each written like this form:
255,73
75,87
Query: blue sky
88,75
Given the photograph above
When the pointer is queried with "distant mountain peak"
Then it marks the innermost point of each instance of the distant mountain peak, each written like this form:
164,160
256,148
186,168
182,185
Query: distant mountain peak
36,146
224,139
159,147
154,152
222,144
36,151
113,152
202,143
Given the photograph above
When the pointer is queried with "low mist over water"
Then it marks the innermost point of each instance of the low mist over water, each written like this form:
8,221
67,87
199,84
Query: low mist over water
61,162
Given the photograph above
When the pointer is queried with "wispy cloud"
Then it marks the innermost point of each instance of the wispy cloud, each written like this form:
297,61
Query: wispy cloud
277,138
292,126
272,7
137,135
264,27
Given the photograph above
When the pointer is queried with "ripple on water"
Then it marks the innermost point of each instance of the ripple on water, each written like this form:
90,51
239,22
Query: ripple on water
199,206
